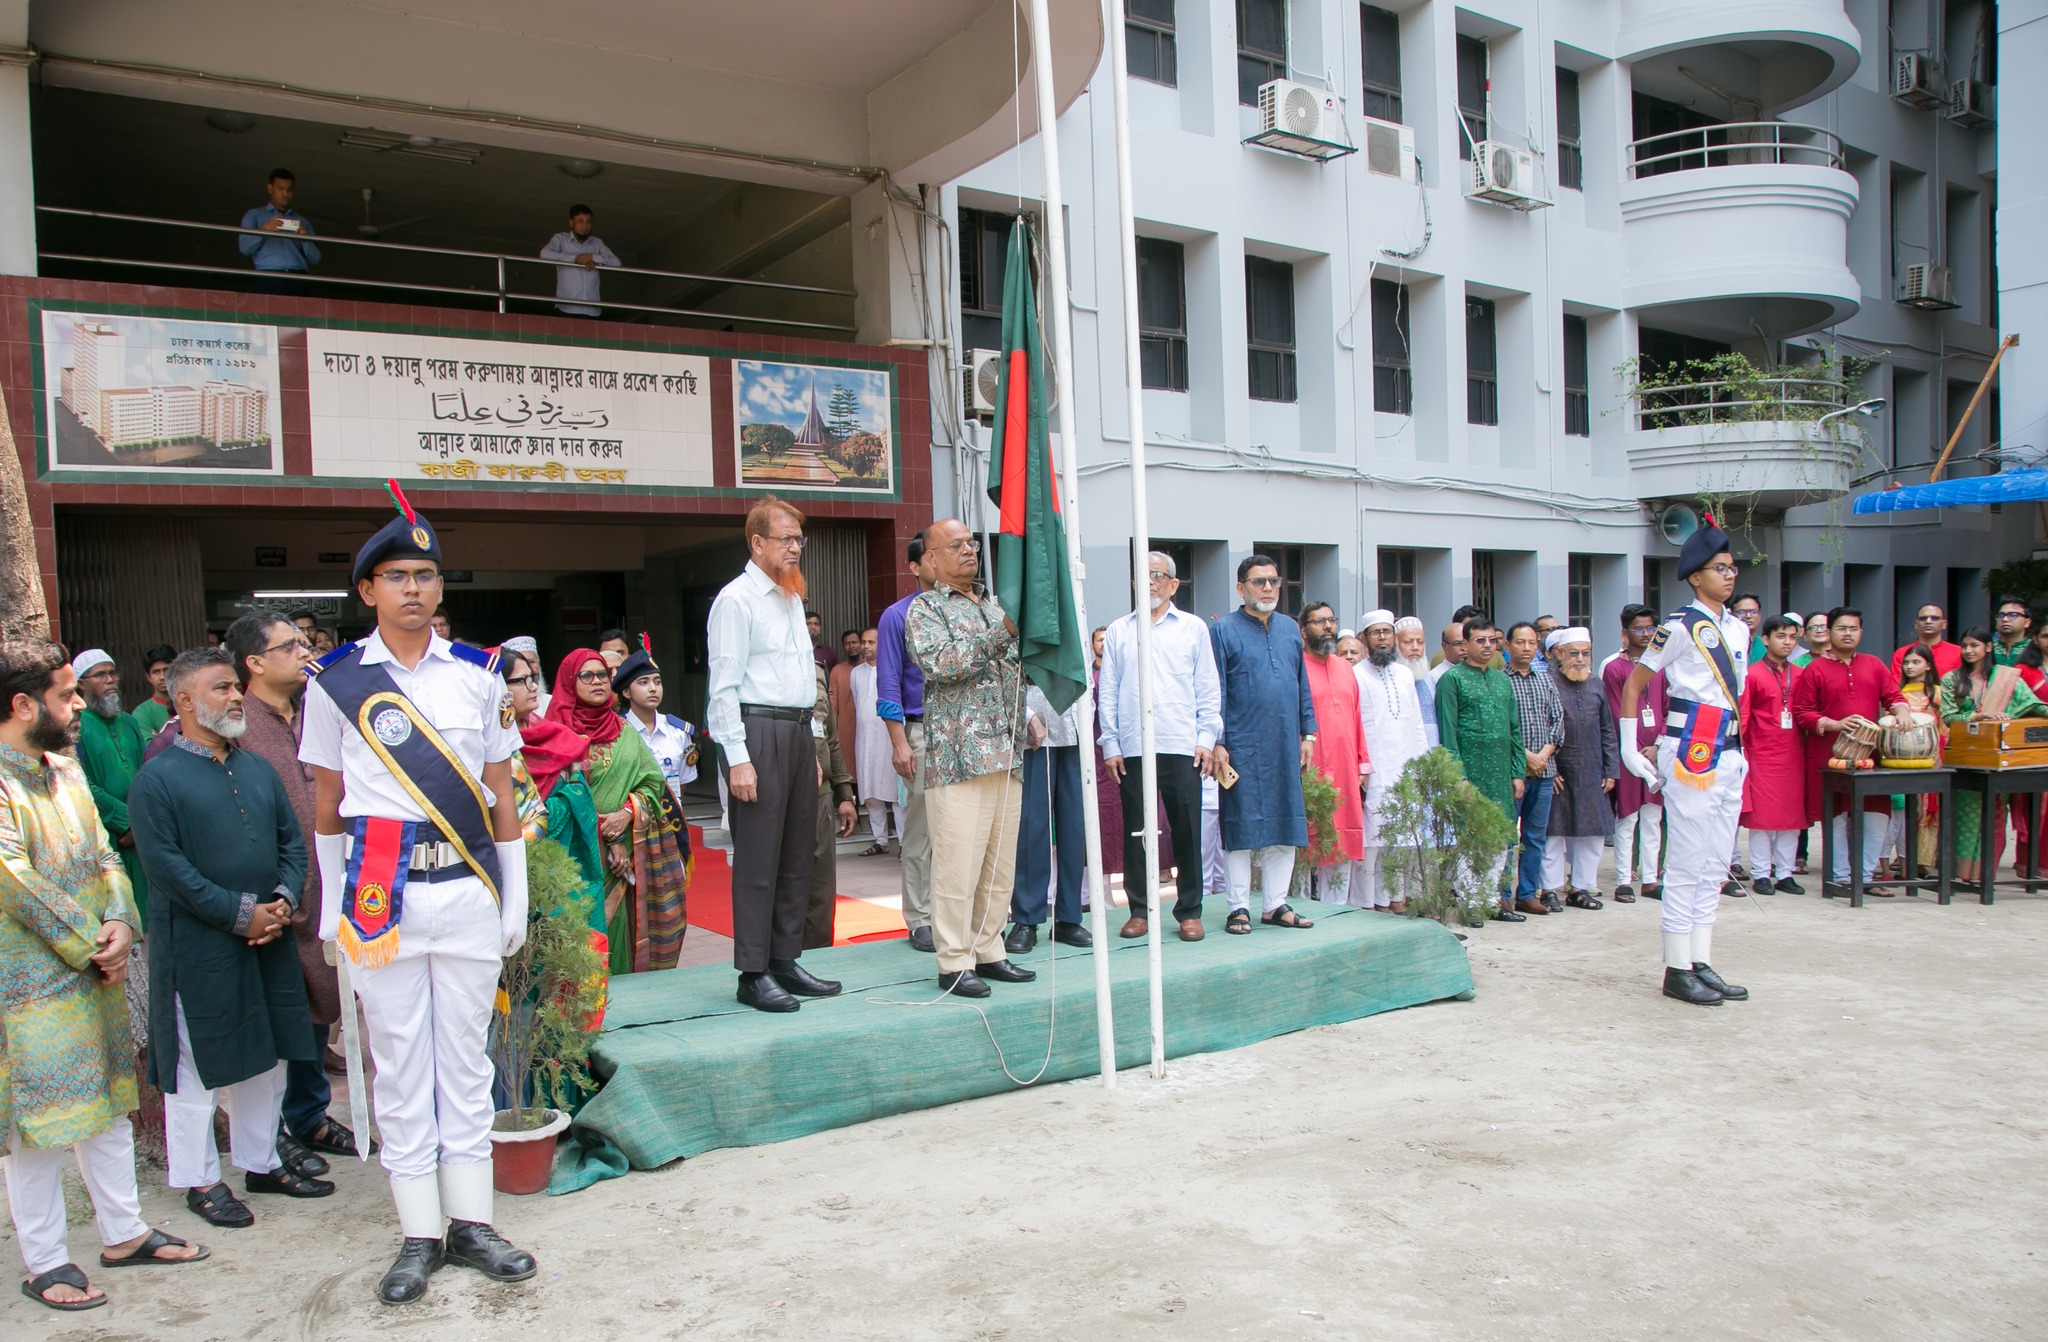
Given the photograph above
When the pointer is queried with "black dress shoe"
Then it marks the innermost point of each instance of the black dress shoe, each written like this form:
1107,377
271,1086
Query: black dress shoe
217,1206
963,984
795,978
763,993
1023,939
1763,886
406,1280
921,939
297,1158
1002,971
283,1180
478,1245
1653,890
1072,934
1705,974
1686,987
1503,914
1788,886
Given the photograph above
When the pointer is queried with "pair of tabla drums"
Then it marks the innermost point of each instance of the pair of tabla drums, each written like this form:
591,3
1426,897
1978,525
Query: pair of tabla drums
1863,744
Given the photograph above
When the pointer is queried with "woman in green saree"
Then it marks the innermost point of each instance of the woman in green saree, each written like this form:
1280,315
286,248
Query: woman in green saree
551,793
1962,697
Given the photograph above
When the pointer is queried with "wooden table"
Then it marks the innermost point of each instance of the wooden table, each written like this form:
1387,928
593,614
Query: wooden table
1989,785
1851,787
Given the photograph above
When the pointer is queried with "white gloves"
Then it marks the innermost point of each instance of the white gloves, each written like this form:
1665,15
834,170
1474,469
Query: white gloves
1636,762
512,894
332,851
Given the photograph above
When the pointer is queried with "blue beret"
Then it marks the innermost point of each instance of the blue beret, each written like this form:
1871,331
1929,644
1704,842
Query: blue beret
1700,548
400,538
640,663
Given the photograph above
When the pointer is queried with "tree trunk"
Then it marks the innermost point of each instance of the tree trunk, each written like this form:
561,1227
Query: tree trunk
22,611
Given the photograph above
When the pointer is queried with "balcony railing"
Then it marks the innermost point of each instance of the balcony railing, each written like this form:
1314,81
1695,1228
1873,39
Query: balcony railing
1749,401
472,279
1736,144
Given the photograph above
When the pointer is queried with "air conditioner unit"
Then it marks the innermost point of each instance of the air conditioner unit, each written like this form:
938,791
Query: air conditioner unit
984,379
1505,175
1297,119
1928,287
1916,83
1969,102
1389,149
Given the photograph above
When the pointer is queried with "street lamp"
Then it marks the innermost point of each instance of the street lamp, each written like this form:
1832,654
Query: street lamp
1864,408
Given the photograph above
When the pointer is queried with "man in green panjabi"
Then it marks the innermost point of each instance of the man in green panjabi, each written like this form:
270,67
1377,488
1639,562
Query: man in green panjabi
1478,722
110,750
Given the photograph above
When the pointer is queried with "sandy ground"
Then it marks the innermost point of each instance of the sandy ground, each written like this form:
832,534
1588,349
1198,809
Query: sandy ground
1855,1153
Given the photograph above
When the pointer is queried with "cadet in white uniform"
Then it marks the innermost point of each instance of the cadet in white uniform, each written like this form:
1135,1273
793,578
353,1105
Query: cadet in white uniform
1703,651
425,877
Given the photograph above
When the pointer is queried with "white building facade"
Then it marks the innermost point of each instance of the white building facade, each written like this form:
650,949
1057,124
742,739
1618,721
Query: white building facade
1412,397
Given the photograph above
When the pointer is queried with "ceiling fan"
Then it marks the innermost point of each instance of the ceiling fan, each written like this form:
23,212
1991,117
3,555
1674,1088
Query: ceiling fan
371,229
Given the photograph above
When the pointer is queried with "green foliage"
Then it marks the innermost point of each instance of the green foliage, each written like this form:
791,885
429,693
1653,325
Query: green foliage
555,987
1442,836
2022,577
1730,389
842,412
861,452
768,440
1319,798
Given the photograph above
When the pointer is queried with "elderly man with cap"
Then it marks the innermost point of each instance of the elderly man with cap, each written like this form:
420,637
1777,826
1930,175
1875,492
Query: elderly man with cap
423,885
1588,763
1703,653
1390,713
110,745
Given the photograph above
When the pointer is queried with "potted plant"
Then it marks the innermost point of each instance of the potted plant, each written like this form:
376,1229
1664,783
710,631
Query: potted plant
1443,839
1319,804
550,1003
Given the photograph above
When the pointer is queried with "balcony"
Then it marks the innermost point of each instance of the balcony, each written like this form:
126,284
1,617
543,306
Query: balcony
1733,227
1761,443
1775,53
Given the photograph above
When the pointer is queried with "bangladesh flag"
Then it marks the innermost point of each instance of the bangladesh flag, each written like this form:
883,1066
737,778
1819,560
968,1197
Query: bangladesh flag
1032,580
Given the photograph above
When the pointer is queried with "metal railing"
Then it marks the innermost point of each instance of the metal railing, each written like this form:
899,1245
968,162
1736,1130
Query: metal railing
495,284
1750,401
1735,144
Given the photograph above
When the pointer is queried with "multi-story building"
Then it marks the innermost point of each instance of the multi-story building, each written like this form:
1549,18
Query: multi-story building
137,416
230,412
1595,269
93,346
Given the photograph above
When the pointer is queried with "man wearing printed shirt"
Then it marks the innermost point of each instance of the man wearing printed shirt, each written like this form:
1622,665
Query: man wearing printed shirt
899,702
289,250
580,254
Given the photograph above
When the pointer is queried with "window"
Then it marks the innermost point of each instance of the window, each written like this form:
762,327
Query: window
1148,41
984,254
1571,163
1393,382
1578,591
1578,402
1183,556
1471,93
1482,581
1653,583
1482,364
1162,315
1292,561
1269,320
1261,46
1397,581
1380,33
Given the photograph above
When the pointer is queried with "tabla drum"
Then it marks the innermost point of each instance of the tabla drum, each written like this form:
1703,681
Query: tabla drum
1917,745
1855,744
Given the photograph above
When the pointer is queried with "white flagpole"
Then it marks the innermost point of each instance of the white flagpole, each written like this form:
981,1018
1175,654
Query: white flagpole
1141,527
1055,280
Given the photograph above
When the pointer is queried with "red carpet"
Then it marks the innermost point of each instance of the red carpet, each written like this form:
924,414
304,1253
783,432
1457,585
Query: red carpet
711,902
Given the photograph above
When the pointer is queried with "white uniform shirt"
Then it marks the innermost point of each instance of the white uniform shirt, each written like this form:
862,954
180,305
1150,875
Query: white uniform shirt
1187,698
671,747
462,701
1687,672
759,653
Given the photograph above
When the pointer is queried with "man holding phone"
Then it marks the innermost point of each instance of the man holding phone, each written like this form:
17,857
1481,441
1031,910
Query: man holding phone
286,248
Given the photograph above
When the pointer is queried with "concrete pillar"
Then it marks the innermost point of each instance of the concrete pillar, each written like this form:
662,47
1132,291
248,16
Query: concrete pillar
17,175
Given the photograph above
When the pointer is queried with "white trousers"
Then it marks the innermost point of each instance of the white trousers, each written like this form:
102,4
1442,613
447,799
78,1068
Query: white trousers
1276,873
1647,826
1703,824
1572,864
35,1194
878,819
1332,884
254,1107
1215,871
1368,888
1772,853
429,1012
1874,829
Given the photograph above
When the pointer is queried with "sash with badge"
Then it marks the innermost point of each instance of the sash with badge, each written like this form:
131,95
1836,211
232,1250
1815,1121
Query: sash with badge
1703,730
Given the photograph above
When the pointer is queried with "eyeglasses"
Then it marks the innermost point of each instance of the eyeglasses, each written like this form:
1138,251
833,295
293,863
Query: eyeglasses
1724,570
528,681
1926,619
965,545
301,644
2012,615
593,677
1261,582
1160,577
797,542
399,577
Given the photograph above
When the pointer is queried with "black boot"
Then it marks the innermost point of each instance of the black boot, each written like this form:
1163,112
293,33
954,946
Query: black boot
476,1244
1705,974
1686,987
407,1279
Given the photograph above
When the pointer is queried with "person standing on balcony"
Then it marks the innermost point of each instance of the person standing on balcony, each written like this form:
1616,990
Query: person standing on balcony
289,250
578,253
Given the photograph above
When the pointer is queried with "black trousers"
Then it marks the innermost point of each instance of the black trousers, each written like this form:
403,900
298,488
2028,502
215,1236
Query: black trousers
1180,795
772,842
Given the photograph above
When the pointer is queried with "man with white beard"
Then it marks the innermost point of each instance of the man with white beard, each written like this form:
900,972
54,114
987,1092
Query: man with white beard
1411,641
1391,715
1588,763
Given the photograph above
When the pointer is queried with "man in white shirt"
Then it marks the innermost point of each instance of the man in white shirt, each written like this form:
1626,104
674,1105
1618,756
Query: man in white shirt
578,254
638,683
1453,651
1391,715
1187,717
762,689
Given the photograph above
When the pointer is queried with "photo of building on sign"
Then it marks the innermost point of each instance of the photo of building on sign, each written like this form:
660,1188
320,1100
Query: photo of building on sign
133,392
802,426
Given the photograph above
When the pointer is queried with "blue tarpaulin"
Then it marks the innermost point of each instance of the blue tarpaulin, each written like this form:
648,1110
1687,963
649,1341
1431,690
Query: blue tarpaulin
2018,486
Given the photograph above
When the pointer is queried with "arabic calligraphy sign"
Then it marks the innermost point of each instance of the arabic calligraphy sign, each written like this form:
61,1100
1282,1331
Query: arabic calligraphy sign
387,404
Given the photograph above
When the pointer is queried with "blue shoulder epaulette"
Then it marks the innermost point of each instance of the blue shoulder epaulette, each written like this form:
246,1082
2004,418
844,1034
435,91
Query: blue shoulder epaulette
487,658
331,658
679,724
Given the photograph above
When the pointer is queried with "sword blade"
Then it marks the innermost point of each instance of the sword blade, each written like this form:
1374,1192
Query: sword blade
352,1054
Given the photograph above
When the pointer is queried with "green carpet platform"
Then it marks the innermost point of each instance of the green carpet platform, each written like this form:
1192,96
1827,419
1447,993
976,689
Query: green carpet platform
686,1069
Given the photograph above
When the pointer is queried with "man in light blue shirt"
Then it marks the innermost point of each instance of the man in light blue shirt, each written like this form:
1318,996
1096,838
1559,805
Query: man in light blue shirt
578,254
289,249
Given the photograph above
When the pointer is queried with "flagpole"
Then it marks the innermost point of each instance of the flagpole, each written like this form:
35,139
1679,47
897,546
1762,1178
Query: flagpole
1141,527
1063,365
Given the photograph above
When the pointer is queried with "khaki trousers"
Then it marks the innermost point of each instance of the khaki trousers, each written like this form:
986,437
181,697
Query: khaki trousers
974,864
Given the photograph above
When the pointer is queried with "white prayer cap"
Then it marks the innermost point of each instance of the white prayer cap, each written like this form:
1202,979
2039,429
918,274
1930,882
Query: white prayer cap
1560,637
1796,618
523,644
90,658
1373,617
1347,633
1409,622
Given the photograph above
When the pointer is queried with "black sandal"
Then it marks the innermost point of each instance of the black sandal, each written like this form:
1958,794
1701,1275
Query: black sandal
65,1274
873,850
1239,923
146,1254
1583,899
1284,917
334,1138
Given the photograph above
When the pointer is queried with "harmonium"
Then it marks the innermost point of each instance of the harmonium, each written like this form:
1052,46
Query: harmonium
2019,744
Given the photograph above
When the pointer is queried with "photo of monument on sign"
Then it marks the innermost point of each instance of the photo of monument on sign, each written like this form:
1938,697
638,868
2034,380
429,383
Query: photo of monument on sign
805,426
